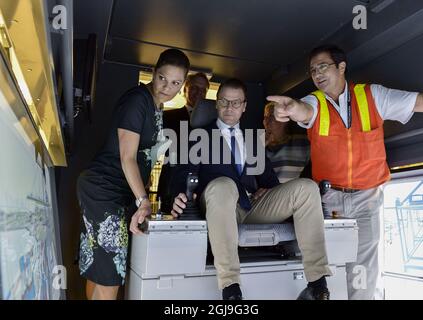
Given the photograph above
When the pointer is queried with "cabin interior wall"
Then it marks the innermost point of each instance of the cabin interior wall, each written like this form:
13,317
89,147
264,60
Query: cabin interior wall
112,81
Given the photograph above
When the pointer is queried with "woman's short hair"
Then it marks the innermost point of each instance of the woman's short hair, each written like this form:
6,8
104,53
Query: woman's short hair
173,57
269,108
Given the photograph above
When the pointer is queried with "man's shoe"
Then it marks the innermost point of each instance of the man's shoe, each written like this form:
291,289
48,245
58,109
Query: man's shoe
310,293
232,292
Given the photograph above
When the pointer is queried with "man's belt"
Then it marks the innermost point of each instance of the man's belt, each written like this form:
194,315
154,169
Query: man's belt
345,190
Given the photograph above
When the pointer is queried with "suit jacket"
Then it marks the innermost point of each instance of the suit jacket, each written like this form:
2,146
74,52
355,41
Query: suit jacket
244,182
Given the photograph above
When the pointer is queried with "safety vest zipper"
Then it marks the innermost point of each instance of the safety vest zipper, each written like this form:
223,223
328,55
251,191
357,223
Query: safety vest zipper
350,160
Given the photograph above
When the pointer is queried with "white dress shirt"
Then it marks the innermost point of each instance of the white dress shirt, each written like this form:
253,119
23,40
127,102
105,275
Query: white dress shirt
226,133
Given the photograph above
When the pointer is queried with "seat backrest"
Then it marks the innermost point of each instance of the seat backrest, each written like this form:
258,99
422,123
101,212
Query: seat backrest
203,114
261,235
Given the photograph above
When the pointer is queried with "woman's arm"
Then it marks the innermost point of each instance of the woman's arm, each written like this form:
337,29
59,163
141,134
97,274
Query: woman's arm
128,149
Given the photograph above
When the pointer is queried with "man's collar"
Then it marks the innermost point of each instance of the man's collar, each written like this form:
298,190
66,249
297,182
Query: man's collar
346,87
341,95
222,126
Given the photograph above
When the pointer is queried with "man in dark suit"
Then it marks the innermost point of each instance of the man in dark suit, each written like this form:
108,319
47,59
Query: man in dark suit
240,191
195,90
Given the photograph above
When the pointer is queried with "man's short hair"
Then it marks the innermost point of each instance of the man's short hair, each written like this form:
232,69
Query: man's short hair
337,54
233,83
191,77
173,57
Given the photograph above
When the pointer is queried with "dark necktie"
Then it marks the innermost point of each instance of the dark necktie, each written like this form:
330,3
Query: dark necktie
235,151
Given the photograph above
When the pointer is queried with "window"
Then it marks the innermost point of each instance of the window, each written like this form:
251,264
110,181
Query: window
403,239
28,248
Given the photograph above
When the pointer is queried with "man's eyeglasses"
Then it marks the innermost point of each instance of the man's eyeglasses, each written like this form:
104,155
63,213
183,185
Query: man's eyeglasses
223,103
321,68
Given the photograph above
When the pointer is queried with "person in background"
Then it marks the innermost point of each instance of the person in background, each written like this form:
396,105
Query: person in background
195,90
288,152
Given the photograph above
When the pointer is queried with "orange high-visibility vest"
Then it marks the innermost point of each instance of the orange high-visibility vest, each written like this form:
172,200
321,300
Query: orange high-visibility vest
352,158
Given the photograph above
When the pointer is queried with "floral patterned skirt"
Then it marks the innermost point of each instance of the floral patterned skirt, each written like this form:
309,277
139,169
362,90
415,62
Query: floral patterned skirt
104,235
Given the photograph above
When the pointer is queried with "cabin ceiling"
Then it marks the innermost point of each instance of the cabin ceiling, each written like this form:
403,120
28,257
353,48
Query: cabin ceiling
250,39
259,41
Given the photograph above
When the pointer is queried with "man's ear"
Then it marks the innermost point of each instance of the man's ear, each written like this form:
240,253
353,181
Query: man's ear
342,67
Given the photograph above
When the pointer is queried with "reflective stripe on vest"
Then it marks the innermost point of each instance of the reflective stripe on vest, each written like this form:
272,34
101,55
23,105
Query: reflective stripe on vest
324,113
363,107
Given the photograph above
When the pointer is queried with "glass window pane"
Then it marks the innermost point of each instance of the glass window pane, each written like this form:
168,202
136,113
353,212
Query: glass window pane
403,228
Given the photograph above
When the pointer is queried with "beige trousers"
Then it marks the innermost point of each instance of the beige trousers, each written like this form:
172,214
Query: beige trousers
299,198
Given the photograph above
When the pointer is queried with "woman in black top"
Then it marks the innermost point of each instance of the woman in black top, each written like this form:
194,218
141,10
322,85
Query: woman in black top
117,176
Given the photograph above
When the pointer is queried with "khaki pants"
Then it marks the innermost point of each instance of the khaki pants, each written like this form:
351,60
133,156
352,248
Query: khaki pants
299,198
364,206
